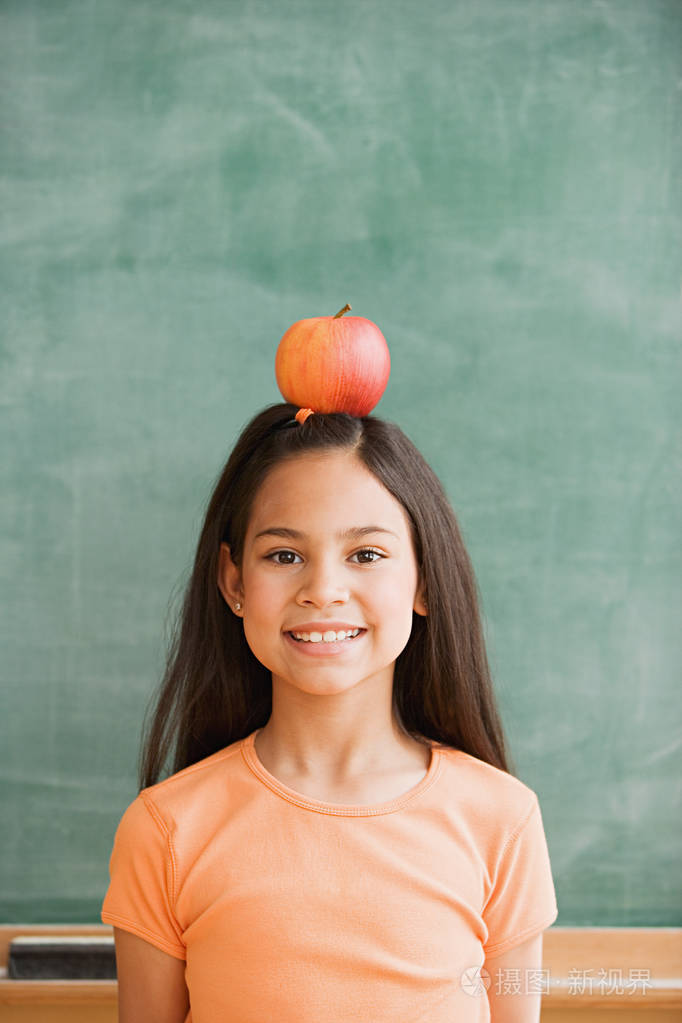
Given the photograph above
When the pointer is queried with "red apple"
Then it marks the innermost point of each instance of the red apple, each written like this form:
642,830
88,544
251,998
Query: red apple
333,364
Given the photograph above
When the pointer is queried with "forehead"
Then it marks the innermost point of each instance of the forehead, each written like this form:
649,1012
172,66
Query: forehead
325,492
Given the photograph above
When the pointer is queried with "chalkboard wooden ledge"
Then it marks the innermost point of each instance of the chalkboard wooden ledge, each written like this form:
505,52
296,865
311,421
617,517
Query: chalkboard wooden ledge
635,970
56,992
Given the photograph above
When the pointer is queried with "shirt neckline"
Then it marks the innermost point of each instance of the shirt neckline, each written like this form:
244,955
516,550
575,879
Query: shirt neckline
248,749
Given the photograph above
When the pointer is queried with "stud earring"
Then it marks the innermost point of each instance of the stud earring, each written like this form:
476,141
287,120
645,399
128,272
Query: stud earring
237,607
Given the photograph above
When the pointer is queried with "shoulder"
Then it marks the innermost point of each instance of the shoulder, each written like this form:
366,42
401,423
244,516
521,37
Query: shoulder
186,797
497,818
196,785
171,820
494,802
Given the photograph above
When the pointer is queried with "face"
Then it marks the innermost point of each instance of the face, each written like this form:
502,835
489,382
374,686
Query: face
328,551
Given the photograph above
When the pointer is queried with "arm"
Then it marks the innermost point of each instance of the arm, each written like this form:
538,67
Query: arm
151,983
511,1007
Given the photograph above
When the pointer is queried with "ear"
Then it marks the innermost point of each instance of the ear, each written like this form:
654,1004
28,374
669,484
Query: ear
230,581
419,602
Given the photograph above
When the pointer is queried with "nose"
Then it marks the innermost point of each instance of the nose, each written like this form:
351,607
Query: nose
322,584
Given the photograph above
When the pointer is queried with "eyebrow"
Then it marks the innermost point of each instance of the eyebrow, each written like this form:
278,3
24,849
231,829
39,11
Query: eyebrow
354,533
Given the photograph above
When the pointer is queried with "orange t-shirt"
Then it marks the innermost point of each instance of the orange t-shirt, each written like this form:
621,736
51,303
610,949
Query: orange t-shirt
290,909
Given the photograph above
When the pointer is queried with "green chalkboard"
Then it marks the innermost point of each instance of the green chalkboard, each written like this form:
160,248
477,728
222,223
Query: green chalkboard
497,185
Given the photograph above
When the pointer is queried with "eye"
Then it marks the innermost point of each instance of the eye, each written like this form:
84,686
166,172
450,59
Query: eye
282,557
375,556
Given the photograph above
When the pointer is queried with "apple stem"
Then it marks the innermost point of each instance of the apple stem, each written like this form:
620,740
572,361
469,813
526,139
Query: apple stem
346,309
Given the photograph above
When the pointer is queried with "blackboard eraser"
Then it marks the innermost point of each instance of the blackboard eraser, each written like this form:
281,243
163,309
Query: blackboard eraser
56,957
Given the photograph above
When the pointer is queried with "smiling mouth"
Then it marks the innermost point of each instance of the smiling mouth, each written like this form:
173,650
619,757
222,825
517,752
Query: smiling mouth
326,637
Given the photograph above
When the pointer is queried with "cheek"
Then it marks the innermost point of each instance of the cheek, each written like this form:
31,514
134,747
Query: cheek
258,608
399,629
261,587
395,602
260,640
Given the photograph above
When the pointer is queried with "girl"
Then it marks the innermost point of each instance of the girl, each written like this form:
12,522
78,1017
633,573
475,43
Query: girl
340,837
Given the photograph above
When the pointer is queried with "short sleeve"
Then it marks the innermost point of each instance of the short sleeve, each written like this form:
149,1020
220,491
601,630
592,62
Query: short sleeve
522,901
142,884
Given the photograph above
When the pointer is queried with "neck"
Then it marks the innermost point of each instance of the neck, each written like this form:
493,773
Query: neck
335,739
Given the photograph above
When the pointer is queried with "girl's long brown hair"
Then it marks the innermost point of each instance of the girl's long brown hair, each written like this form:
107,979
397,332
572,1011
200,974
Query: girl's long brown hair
215,692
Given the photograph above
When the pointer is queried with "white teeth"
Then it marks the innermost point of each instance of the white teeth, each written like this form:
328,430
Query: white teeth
327,637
